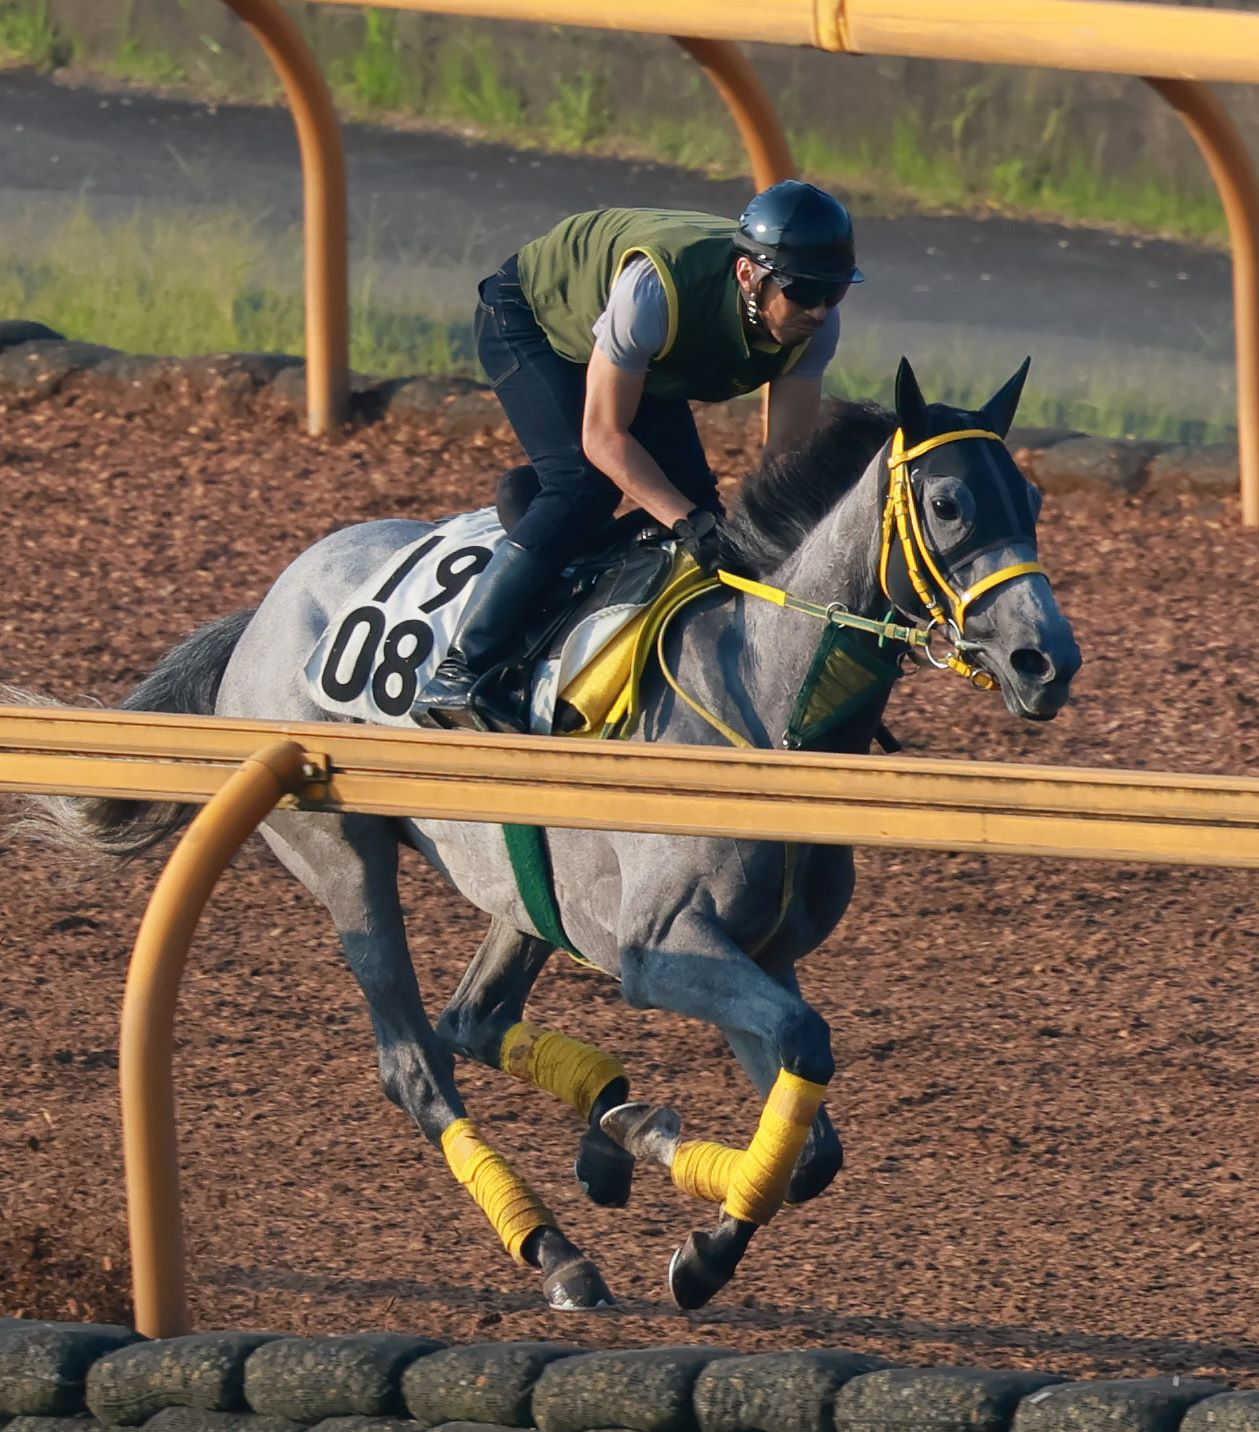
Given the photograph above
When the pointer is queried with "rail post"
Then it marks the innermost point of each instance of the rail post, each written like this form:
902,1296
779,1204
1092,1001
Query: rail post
1227,158
756,119
146,1042
748,101
324,203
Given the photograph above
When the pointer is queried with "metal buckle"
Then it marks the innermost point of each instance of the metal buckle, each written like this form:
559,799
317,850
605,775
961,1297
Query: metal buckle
953,636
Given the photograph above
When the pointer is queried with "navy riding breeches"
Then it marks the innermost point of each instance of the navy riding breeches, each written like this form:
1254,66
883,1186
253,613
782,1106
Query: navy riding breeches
544,397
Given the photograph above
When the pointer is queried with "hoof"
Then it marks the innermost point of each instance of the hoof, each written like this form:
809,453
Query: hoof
604,1170
645,1131
696,1275
577,1286
815,1173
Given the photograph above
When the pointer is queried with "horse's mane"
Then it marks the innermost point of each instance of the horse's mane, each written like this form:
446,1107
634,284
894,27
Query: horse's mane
788,496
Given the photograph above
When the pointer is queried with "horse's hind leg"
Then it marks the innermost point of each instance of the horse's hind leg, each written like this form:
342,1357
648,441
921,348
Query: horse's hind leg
350,863
484,1021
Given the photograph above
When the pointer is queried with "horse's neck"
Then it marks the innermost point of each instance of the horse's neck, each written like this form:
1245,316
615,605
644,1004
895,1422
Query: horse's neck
747,659
838,560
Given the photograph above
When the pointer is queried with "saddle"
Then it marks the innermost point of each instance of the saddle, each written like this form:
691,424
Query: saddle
627,563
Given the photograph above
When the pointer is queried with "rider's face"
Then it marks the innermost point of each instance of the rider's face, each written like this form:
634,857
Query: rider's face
784,319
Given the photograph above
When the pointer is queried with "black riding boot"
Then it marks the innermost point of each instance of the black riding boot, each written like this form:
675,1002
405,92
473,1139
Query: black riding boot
501,597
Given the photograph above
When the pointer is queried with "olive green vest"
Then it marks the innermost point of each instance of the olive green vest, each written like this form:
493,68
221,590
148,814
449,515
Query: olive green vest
567,274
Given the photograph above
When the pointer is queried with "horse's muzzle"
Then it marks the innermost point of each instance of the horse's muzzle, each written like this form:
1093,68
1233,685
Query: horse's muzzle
1037,683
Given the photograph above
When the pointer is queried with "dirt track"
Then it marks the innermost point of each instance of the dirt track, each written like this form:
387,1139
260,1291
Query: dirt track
1048,1072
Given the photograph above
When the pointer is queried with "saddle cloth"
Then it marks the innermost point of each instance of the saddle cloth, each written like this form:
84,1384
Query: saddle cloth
388,638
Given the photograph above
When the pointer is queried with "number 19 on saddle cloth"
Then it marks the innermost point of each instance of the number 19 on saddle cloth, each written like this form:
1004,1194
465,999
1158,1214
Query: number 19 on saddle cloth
386,642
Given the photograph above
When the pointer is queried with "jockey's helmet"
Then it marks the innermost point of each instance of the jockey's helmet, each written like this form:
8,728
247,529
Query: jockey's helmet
798,231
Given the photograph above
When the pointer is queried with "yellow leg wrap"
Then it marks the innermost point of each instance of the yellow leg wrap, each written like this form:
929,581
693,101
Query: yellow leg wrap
505,1199
704,1168
572,1071
758,1182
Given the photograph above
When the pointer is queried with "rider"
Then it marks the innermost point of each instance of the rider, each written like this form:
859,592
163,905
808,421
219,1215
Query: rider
596,336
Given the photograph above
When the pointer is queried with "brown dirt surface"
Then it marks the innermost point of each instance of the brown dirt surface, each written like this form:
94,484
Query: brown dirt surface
1048,1070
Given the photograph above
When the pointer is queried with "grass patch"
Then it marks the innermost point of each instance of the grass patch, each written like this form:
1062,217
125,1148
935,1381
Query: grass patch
144,66
207,281
914,168
470,86
579,114
203,282
1096,403
376,76
29,36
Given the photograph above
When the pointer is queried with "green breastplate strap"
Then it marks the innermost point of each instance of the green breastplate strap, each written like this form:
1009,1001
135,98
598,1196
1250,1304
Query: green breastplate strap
530,858
850,670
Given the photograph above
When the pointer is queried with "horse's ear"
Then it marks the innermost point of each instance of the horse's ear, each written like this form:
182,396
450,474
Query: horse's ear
999,410
911,406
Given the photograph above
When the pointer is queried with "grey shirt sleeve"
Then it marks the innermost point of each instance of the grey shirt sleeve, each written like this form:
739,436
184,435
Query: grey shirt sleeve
821,349
634,325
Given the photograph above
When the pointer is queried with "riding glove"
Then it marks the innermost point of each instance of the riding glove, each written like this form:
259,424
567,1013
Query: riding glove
699,536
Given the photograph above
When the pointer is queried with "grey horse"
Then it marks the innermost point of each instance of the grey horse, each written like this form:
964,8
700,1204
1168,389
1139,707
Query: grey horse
673,919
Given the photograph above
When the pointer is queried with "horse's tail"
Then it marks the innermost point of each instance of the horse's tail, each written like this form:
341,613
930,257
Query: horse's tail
185,683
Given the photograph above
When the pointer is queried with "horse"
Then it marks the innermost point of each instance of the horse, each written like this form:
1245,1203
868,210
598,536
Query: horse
919,514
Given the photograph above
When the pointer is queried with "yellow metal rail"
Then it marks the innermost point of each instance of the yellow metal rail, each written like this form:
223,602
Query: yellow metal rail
763,795
243,769
1170,41
1175,41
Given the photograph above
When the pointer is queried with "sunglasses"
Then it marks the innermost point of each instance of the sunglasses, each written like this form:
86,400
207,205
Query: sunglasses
812,292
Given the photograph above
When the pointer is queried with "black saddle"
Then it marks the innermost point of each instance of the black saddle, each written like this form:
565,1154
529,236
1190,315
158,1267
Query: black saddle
625,562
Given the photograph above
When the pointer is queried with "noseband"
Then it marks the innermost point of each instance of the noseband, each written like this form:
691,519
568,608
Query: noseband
902,524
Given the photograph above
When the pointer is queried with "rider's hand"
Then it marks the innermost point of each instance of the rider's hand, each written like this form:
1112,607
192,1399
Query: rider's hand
699,535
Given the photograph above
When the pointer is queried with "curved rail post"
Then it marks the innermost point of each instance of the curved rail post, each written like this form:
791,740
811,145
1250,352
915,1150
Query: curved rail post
748,101
761,130
1226,155
324,202
150,1151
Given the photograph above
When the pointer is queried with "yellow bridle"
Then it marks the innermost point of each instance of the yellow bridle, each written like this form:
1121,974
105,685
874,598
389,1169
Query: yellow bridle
901,521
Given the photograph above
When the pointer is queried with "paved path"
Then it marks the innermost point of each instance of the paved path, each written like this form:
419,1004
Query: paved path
1104,317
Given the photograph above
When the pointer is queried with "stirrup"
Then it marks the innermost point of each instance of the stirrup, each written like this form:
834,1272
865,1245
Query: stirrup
459,681
492,704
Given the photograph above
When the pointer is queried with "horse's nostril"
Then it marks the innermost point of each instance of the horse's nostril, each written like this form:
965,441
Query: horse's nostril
1033,664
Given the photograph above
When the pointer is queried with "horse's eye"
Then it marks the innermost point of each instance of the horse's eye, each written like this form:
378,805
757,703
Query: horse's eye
945,509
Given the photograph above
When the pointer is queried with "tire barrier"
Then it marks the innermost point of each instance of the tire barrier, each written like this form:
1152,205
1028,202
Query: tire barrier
65,1377
38,364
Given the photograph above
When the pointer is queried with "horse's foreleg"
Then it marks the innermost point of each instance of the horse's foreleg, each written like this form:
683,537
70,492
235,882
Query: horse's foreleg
350,863
484,1021
703,974
823,1154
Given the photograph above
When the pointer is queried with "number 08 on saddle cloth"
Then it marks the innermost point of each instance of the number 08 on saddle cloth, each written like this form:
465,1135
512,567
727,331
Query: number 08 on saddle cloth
385,642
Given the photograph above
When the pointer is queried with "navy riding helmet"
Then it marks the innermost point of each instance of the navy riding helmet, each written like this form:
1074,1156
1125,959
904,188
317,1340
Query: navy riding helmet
798,231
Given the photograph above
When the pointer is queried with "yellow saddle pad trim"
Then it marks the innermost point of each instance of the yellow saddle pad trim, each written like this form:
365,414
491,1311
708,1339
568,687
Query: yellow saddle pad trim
605,691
